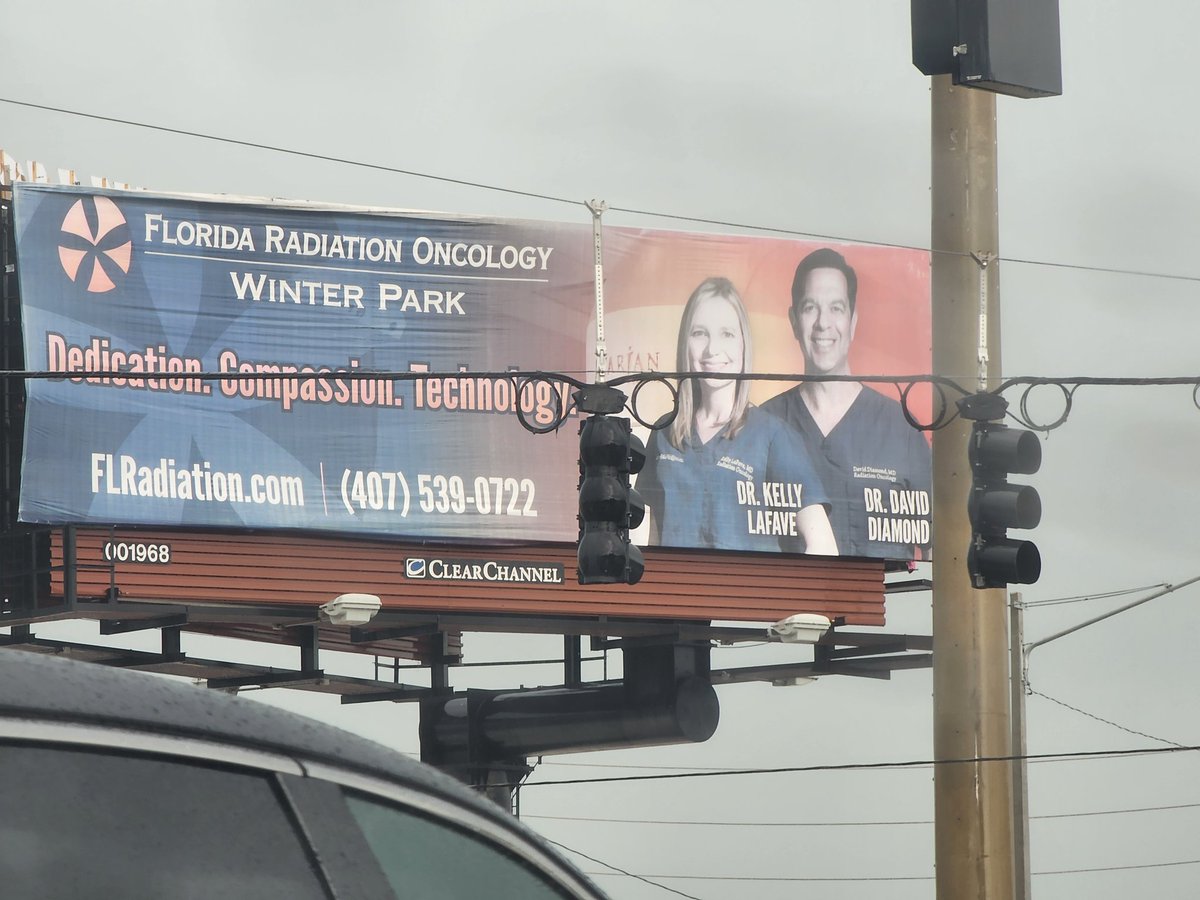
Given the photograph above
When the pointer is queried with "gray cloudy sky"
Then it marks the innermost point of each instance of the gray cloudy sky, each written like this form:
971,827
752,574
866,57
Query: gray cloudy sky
805,116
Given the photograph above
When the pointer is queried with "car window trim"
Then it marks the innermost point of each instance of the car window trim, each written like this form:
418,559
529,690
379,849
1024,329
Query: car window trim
134,740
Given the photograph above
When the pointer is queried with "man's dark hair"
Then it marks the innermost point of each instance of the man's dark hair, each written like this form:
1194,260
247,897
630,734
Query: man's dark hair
825,258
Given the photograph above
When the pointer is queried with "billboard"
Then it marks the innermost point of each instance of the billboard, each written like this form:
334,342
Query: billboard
258,347
211,571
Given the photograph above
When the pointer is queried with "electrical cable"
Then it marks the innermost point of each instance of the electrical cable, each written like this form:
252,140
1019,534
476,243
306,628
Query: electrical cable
900,764
780,878
800,878
839,879
616,869
583,765
1084,712
320,157
866,824
713,824
700,220
939,382
717,769
1079,598
379,167
1163,865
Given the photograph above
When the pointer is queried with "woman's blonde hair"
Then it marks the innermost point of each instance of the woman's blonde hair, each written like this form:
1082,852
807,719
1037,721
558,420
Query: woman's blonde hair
680,431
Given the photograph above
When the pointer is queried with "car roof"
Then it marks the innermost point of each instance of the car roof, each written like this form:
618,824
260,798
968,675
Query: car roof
47,688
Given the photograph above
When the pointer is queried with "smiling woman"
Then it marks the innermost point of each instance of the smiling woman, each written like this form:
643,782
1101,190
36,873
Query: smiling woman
708,475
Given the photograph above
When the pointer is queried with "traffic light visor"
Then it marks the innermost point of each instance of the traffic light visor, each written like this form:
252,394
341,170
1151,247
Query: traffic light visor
1001,449
607,498
1010,506
607,441
1004,561
606,558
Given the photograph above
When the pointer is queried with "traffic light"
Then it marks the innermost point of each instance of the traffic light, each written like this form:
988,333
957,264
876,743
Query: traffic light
994,559
608,507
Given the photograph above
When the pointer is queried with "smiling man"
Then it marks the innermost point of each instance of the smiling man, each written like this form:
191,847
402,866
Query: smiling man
875,467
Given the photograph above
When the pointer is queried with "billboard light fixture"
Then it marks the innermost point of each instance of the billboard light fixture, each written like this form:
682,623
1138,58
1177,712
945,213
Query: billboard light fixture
351,609
804,628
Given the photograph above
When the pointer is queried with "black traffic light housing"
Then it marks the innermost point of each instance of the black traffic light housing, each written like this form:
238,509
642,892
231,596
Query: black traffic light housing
1008,46
609,453
995,560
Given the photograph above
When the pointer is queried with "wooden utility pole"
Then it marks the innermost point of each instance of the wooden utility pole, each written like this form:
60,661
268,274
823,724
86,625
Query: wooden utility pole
972,801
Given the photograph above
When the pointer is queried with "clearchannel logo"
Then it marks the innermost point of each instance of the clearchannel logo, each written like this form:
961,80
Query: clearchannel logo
438,568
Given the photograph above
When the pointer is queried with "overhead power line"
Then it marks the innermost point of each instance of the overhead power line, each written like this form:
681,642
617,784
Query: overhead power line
1117,725
803,878
899,764
304,154
1162,865
677,217
1080,598
583,765
647,878
617,869
776,878
864,824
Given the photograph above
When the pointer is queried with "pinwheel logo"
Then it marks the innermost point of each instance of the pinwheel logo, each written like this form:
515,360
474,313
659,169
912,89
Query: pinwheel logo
94,247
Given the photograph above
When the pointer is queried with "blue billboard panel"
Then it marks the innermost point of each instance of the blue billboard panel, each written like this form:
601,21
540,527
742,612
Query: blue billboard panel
255,365
165,288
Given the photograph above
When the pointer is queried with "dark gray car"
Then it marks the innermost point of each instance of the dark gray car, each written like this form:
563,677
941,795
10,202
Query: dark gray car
117,784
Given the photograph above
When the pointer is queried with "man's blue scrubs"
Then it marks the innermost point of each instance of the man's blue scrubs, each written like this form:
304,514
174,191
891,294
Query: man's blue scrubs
877,470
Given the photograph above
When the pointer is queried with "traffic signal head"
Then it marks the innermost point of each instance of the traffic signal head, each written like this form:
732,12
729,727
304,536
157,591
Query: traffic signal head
995,560
609,453
607,557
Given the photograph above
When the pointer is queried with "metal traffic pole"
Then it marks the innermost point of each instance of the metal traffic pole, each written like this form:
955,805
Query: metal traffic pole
1020,765
1019,653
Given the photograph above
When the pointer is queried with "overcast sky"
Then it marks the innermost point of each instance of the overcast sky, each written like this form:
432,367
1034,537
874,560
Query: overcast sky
803,116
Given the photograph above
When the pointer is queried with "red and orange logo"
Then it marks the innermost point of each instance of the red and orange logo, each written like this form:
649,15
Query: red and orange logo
97,255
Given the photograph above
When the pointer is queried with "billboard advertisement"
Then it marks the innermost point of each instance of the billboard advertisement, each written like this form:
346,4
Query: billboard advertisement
207,570
280,366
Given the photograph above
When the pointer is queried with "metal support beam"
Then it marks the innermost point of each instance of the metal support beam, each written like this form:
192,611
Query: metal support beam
572,661
70,585
265,679
439,668
310,648
364,634
501,782
401,693
172,646
19,634
171,621
659,638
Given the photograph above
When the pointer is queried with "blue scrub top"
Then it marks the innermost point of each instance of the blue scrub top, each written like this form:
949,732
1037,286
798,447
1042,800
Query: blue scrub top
877,469
732,493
